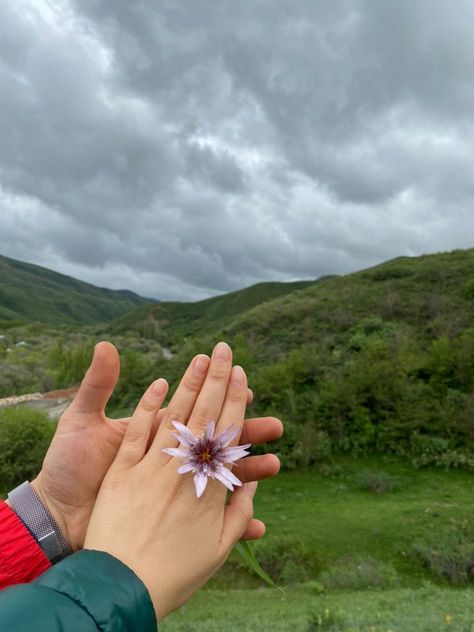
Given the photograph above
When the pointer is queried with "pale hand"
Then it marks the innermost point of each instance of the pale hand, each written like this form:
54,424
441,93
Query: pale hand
86,443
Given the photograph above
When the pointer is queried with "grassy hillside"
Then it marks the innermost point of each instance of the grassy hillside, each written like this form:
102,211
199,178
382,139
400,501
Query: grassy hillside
381,360
33,293
169,322
433,295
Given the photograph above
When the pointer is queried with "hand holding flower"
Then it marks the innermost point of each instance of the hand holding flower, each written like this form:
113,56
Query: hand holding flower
148,515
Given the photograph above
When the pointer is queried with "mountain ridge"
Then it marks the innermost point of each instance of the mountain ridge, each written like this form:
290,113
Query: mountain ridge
31,292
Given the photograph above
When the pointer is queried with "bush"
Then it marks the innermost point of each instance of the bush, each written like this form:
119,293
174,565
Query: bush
312,446
469,289
285,559
357,573
432,450
376,482
25,435
448,554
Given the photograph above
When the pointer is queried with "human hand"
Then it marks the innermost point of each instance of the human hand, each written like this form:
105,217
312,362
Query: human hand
148,516
86,443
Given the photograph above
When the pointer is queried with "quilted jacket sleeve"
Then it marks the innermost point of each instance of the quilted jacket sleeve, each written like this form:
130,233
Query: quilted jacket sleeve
86,592
21,557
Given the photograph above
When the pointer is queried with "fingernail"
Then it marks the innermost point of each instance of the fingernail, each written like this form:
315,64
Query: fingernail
251,488
201,364
237,376
222,351
159,387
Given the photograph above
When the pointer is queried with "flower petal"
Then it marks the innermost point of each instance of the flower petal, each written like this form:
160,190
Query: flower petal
209,432
182,439
179,452
220,477
200,482
226,437
183,430
227,474
229,455
187,467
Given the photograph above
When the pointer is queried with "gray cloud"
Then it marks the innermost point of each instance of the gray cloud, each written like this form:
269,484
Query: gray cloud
186,149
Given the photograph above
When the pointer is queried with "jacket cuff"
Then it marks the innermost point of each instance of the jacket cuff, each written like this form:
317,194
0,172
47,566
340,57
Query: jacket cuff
106,588
21,557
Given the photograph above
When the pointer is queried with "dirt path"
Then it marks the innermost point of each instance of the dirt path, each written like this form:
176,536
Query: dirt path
53,402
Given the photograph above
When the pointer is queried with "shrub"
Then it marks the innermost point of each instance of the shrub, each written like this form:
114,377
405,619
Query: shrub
312,446
469,289
285,559
357,573
432,450
25,435
448,554
376,482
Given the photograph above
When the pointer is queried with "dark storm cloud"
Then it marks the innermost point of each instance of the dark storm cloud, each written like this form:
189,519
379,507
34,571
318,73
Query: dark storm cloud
187,148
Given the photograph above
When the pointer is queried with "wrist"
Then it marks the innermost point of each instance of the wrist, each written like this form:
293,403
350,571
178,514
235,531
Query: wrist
61,521
47,527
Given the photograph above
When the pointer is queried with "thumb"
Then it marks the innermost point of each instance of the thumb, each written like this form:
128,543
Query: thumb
99,381
238,514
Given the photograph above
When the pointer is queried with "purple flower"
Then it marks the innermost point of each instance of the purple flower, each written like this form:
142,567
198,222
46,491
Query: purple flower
206,455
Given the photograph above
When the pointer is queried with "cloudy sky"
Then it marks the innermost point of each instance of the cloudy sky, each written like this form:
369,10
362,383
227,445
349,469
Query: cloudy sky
187,148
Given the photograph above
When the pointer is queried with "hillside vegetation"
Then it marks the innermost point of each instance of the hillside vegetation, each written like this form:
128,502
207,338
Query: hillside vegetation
379,361
170,322
32,293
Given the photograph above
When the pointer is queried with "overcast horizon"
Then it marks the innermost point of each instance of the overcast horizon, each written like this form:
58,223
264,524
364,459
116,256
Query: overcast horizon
190,149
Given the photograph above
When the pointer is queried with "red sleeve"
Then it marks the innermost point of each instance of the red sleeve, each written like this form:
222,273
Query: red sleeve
21,557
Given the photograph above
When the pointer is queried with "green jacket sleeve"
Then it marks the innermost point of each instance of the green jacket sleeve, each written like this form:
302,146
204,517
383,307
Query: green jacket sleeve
86,592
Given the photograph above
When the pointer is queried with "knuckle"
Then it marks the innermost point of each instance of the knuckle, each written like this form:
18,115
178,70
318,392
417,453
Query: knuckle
237,394
174,414
246,512
134,436
192,384
148,406
218,372
201,417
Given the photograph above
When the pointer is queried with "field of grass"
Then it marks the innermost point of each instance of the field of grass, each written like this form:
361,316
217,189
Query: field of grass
426,609
325,520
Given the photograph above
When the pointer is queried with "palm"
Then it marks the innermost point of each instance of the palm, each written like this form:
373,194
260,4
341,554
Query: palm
83,448
75,466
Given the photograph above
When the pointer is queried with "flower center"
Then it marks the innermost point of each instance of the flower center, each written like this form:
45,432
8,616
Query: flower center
205,457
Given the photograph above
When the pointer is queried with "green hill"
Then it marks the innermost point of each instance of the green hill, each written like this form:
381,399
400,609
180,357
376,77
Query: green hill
380,360
32,293
170,322
430,295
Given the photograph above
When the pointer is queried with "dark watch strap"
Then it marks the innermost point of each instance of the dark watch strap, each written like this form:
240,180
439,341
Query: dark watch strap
29,508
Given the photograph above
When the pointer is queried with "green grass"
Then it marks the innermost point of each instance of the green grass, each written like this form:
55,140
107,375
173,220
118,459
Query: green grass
427,609
334,519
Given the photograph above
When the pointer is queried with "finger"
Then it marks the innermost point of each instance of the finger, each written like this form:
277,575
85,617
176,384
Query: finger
256,468
134,444
237,515
213,393
180,406
99,381
233,410
156,424
255,530
261,429
249,396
